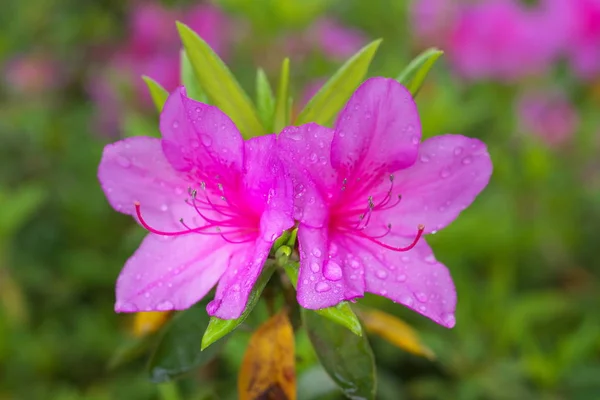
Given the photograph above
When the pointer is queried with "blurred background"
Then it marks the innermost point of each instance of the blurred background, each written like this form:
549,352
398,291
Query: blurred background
524,76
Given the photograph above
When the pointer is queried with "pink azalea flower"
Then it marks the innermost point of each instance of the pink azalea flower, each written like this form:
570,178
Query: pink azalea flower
548,115
366,191
500,39
583,41
238,202
432,20
335,40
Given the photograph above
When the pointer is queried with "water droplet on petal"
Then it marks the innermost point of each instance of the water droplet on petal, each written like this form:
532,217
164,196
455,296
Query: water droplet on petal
164,207
407,301
444,173
458,151
383,292
314,157
322,287
401,278
164,306
430,259
354,264
422,297
126,307
236,287
415,139
123,161
381,274
332,271
138,277
317,252
448,320
424,158
314,267
206,140
175,124
178,190
147,295
405,259
467,160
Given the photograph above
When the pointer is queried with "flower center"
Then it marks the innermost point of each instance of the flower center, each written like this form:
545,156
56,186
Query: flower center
226,219
353,219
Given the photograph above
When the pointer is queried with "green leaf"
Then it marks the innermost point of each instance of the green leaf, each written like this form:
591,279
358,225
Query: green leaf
264,100
217,328
17,205
415,73
347,358
219,84
128,351
158,93
282,106
341,314
333,95
188,79
178,351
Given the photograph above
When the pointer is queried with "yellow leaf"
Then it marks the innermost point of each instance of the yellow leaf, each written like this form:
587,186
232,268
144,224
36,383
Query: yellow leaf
146,323
267,370
395,331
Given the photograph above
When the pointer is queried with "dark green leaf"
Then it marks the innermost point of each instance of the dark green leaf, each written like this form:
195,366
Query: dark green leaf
346,357
158,93
219,84
333,95
217,328
129,351
178,351
282,109
189,80
415,73
265,101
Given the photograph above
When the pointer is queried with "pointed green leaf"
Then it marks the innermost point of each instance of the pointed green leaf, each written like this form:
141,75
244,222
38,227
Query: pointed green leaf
341,314
347,358
189,80
178,351
158,93
415,73
282,109
333,95
264,100
217,328
219,84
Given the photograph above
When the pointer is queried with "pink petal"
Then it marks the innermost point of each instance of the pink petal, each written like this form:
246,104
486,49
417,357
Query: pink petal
413,278
136,169
329,273
171,273
379,129
199,136
450,172
306,150
236,284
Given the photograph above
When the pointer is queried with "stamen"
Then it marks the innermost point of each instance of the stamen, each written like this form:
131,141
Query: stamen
163,233
421,228
232,241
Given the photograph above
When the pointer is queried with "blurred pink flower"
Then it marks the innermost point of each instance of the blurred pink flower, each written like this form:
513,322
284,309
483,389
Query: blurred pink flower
239,201
367,190
583,46
335,40
433,20
32,74
548,115
500,39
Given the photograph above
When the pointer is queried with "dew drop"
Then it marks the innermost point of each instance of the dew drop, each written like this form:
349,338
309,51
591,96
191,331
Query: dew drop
138,277
198,109
317,252
354,264
164,306
305,281
341,133
424,158
444,173
236,287
147,295
405,259
314,157
314,267
332,271
195,144
467,160
383,292
333,249
415,139
178,190
322,287
448,320
430,259
123,161
175,124
458,151
422,297
381,274
125,307
164,207
407,301
401,278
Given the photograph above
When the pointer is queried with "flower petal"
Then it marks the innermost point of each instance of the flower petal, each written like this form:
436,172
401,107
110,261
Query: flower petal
329,272
200,137
306,150
451,171
379,129
236,284
136,169
413,278
171,273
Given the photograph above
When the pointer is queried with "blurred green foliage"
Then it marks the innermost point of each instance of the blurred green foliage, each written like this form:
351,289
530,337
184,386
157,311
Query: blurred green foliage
523,257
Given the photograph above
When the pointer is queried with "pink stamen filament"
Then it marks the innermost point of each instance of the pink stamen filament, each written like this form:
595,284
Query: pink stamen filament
421,228
163,233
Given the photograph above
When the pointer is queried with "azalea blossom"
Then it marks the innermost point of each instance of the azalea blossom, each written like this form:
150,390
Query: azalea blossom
212,202
367,190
